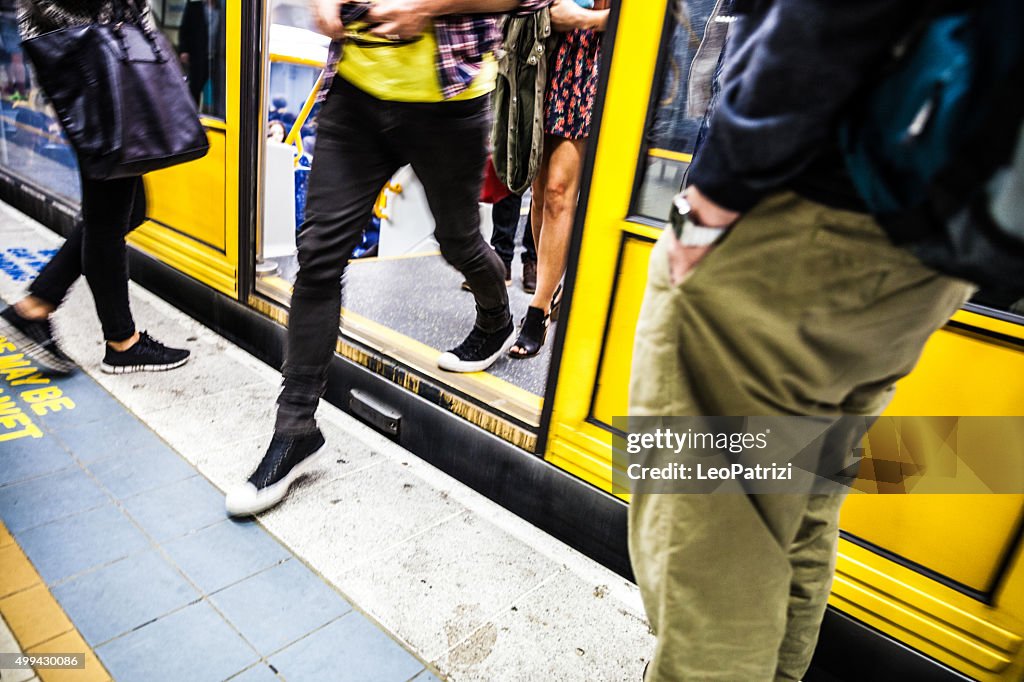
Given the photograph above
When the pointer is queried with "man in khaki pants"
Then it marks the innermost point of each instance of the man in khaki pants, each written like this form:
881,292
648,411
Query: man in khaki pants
781,297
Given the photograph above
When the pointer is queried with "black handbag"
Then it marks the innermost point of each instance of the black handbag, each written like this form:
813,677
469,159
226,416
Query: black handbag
120,94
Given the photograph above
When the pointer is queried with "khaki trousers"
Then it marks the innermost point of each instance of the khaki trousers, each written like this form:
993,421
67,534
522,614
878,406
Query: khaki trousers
800,310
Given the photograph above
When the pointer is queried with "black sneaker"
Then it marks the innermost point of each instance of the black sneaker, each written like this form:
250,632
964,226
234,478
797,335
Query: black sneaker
287,458
35,339
479,350
147,355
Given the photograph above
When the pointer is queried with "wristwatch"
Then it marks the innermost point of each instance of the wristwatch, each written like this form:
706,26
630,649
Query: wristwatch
687,231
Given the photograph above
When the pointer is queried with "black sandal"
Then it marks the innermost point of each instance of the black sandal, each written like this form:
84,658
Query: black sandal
532,332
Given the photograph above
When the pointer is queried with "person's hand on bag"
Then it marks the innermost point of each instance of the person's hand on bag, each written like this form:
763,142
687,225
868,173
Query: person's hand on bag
327,14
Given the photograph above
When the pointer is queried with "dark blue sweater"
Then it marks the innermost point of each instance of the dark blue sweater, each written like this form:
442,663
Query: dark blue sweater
791,68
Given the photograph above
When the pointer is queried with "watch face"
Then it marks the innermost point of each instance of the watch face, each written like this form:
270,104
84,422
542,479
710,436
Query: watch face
681,204
679,215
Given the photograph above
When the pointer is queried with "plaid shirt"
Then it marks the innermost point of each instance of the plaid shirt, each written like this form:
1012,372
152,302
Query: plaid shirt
462,41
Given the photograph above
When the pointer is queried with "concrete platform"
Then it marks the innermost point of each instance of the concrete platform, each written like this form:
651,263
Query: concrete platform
414,574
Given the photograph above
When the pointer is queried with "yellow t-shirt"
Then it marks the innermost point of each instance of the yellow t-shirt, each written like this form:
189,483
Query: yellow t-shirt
407,72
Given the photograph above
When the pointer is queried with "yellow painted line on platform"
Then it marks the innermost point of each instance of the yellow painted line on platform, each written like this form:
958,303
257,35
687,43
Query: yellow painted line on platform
37,620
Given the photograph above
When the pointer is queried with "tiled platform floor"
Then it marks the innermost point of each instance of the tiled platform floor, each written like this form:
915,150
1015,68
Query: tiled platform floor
134,544
476,592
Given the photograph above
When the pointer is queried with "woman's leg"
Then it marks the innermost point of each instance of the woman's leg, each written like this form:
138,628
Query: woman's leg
107,210
561,188
554,206
48,289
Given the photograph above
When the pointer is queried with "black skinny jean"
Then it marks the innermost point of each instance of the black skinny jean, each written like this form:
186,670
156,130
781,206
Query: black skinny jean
96,248
505,217
361,142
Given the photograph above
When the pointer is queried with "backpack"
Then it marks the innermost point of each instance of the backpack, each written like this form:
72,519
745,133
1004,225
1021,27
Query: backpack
934,146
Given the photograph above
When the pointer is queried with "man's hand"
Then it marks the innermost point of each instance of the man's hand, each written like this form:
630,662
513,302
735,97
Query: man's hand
706,212
184,59
400,19
567,16
683,259
327,14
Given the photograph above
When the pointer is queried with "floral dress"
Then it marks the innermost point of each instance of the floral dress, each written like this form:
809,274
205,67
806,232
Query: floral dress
569,102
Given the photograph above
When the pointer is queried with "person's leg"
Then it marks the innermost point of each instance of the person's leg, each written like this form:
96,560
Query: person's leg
446,144
107,209
761,341
529,256
529,247
505,218
447,148
48,289
559,194
561,190
352,163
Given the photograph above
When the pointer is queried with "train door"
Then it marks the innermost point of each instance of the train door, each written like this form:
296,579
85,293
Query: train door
940,572
192,222
403,304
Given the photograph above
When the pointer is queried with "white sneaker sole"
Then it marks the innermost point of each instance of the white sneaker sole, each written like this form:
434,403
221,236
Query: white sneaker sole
130,369
247,501
451,362
34,352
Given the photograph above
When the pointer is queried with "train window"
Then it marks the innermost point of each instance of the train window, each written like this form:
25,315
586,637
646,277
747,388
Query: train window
1009,305
675,120
197,29
32,144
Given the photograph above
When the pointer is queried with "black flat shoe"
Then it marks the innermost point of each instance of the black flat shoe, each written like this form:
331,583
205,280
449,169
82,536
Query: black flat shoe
531,334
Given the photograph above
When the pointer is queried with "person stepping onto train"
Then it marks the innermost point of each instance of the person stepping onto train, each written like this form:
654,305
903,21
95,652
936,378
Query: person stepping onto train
406,82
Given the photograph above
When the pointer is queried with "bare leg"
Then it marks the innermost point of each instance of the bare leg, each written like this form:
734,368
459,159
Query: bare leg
555,192
562,186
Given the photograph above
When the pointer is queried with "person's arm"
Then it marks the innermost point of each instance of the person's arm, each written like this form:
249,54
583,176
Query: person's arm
409,18
567,16
784,86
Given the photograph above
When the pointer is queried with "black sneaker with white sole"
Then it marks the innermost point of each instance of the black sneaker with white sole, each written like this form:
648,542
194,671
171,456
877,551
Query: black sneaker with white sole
146,355
35,339
479,350
287,458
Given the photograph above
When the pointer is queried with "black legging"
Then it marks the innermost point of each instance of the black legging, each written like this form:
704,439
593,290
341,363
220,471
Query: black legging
96,248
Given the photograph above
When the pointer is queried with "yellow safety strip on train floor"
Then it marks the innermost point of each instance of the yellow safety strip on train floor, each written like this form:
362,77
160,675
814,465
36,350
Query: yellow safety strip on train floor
669,155
500,397
529,404
37,621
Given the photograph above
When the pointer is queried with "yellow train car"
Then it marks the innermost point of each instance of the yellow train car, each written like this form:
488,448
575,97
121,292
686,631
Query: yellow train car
928,586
